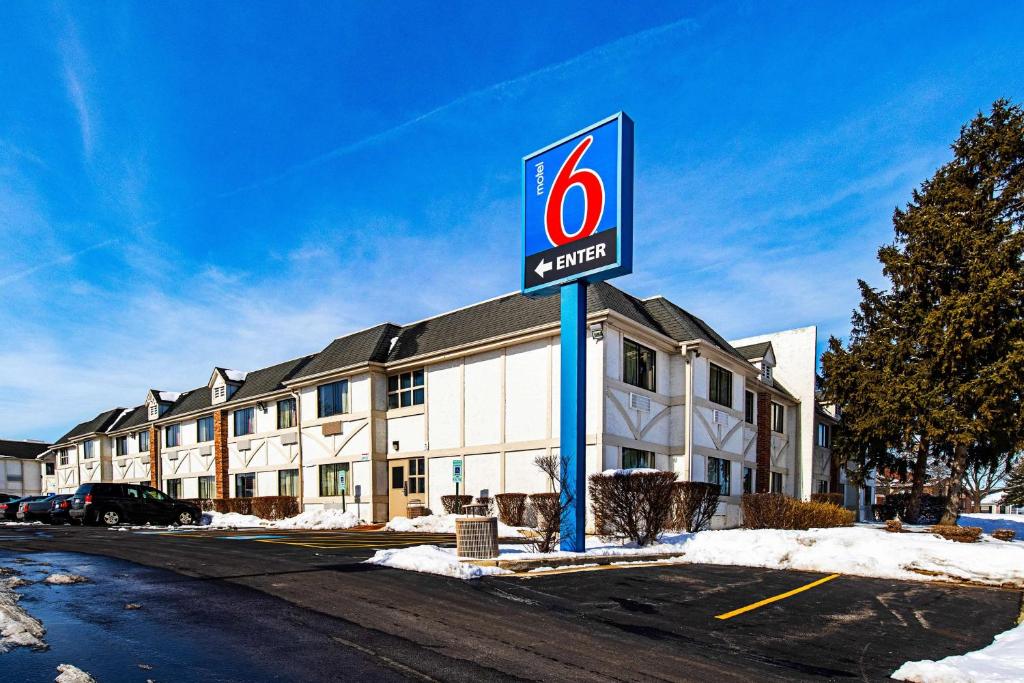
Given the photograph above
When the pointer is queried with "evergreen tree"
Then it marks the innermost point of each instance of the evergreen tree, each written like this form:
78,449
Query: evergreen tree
1014,492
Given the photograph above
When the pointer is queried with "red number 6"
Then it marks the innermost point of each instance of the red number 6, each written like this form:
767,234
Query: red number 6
593,198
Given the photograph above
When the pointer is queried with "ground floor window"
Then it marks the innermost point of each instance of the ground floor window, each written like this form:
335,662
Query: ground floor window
417,475
776,482
334,479
633,458
207,488
718,473
822,486
748,480
245,485
174,488
288,483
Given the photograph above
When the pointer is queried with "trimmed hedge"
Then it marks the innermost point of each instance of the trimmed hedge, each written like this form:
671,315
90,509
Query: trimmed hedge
777,511
894,525
265,507
694,503
830,498
632,505
454,504
1004,534
548,511
511,508
960,534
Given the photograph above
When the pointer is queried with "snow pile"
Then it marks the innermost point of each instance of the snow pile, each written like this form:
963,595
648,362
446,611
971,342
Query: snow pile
311,519
68,673
624,473
990,523
862,551
64,579
1000,662
441,524
17,627
429,559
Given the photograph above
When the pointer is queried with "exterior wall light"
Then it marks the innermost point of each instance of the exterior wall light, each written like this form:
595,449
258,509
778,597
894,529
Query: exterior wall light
597,331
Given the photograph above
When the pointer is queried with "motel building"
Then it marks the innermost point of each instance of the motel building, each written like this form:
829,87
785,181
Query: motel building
380,415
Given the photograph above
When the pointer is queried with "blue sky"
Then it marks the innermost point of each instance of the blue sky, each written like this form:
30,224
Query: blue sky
185,185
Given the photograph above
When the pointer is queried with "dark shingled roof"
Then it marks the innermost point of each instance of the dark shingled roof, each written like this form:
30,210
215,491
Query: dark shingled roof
259,382
196,399
23,450
136,418
98,424
752,351
359,347
515,312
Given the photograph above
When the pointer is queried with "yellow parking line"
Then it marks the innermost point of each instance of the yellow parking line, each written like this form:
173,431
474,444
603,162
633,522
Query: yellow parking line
776,598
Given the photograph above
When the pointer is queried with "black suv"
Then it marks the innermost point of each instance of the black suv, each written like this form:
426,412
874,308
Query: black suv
110,504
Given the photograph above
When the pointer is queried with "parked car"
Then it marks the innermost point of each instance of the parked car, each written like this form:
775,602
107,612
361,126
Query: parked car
110,504
36,508
59,506
9,510
7,498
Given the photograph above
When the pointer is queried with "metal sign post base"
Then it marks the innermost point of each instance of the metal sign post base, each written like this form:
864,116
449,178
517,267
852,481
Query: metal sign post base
573,417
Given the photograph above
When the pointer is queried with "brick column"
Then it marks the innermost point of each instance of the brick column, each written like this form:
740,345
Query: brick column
764,442
154,456
220,452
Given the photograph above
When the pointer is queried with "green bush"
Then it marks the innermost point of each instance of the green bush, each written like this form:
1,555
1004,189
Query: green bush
777,511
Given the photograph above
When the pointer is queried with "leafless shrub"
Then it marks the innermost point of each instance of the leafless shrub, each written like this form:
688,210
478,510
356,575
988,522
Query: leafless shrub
632,505
830,498
960,534
453,504
1004,534
693,504
511,508
894,526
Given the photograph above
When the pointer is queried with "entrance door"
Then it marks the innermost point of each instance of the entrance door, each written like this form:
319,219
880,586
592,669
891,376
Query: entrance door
408,485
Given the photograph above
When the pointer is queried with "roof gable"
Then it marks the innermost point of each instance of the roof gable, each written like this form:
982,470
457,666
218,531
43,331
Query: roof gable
22,450
366,346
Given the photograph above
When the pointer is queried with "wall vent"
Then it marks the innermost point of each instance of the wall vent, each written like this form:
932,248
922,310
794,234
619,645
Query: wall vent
638,402
720,417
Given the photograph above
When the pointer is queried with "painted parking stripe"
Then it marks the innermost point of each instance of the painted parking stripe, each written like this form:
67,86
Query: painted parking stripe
259,537
776,598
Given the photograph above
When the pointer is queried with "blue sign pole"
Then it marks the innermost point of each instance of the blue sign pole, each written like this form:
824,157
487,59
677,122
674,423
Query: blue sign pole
573,411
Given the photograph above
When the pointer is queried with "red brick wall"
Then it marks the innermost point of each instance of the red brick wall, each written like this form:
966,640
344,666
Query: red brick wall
154,457
764,442
220,452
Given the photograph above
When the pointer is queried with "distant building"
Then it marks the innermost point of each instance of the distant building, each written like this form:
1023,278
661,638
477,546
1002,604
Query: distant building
21,472
383,413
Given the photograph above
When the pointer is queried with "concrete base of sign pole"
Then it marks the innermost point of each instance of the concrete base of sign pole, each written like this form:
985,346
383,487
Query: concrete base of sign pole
573,417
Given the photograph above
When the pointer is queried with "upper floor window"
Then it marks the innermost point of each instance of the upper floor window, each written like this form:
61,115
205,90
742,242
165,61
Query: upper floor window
720,388
638,365
778,417
718,473
824,435
154,411
204,429
766,374
172,435
332,399
87,451
405,389
62,457
748,406
219,392
245,421
122,445
143,442
286,414
633,458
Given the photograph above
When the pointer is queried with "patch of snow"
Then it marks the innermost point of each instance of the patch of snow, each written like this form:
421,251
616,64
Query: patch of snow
310,519
1000,662
990,523
68,673
169,395
235,375
64,579
441,524
17,627
430,559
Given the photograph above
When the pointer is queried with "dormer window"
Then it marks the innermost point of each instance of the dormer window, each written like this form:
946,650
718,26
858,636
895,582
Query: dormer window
219,392
766,373
154,411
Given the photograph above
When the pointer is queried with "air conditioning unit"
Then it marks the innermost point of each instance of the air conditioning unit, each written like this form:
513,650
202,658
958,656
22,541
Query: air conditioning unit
720,417
638,402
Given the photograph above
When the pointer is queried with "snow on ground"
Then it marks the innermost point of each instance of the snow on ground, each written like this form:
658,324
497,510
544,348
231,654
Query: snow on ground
68,673
310,519
861,551
441,524
1000,662
17,627
990,523
430,559
64,579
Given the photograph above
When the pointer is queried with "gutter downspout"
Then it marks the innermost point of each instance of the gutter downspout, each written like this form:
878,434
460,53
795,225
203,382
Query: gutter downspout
298,430
688,352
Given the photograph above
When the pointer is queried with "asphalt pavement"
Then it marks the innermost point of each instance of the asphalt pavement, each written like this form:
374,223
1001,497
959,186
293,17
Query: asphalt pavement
650,623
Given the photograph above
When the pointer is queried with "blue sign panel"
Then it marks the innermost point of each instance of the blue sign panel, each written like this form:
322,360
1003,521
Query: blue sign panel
578,208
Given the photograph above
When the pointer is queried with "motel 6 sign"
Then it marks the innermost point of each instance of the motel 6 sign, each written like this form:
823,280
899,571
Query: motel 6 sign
578,208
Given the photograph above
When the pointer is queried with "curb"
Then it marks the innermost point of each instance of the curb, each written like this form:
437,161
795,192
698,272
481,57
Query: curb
526,565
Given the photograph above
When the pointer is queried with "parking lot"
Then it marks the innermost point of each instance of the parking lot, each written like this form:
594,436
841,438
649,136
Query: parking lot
625,623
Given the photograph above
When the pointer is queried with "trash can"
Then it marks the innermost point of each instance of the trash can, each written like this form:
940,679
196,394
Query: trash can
476,537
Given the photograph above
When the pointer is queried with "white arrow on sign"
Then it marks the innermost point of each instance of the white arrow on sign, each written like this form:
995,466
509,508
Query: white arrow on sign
543,267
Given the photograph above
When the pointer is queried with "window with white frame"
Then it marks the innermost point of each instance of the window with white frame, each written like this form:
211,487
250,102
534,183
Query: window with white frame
207,487
143,442
204,429
748,406
87,450
245,422
778,417
824,435
286,414
174,488
720,386
172,435
748,480
406,389
638,365
718,473
287,482
122,445
332,399
823,486
634,458
62,457
776,482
